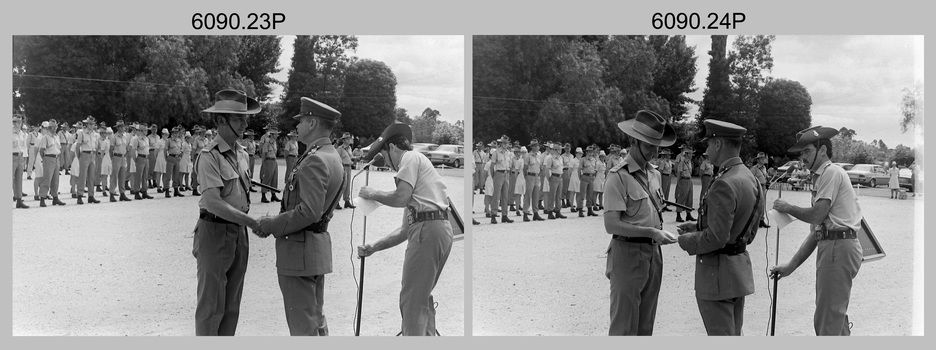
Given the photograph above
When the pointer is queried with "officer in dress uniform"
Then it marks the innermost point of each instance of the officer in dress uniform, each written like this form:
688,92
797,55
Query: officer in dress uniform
220,246
723,273
683,171
426,227
20,141
303,244
269,170
834,217
632,217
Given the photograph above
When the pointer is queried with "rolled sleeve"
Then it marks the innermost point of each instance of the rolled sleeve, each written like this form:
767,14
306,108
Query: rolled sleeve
409,169
209,171
827,186
615,192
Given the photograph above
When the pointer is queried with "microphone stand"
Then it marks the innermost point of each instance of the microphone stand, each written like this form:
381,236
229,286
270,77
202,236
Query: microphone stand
773,301
360,295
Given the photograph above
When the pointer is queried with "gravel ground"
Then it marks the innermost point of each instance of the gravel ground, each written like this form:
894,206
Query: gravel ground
127,269
547,278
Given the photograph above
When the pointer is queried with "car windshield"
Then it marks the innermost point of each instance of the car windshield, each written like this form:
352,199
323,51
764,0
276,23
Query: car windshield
862,167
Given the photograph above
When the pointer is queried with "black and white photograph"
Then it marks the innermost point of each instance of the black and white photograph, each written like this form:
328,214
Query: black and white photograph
692,185
258,185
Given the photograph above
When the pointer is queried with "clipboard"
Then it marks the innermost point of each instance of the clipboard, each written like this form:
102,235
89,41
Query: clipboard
871,249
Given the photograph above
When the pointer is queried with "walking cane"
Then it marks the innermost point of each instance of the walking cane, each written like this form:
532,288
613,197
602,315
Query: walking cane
360,294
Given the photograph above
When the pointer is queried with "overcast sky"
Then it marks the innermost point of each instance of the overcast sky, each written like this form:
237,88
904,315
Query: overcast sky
430,70
854,81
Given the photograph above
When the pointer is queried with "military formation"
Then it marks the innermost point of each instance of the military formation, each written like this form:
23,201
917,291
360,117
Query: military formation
632,187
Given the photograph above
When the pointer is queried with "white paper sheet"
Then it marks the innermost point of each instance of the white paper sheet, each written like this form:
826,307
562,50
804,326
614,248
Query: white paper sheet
780,220
365,206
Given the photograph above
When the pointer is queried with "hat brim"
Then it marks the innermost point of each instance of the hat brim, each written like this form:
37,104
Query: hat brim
799,146
391,131
253,107
667,139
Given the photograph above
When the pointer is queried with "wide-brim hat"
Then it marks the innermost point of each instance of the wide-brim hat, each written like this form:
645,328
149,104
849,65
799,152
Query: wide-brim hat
812,134
392,130
89,119
479,143
313,108
45,124
346,135
649,127
760,155
17,118
665,151
534,142
503,138
686,148
601,153
271,129
234,102
579,150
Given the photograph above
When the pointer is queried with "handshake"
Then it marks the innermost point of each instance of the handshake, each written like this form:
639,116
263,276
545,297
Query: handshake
256,225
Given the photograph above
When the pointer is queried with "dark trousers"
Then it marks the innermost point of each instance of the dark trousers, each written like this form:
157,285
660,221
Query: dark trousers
303,298
722,317
665,180
684,193
50,177
636,272
220,252
346,191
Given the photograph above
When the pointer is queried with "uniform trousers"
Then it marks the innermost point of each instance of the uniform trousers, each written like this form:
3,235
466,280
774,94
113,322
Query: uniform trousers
478,183
220,251
98,163
141,176
706,182
346,189
251,161
427,249
586,187
554,197
31,162
500,192
636,272
85,172
665,180
195,177
684,193
837,264
151,169
532,193
566,177
722,317
303,299
269,171
172,172
118,172
17,176
50,177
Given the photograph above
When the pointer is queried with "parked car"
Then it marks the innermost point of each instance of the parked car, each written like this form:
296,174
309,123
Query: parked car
783,170
906,179
425,148
845,166
870,175
450,155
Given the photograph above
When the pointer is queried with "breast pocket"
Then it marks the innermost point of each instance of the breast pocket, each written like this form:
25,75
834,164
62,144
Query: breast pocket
638,202
229,176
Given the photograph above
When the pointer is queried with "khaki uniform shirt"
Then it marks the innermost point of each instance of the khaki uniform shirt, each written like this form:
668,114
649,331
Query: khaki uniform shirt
219,166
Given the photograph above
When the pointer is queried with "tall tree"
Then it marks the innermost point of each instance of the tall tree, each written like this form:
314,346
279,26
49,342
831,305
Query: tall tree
258,58
674,74
749,63
911,105
784,109
367,106
847,133
400,116
717,98
446,133
331,60
425,124
300,77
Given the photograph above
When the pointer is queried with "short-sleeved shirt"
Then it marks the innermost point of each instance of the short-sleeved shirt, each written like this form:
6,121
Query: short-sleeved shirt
428,189
187,149
534,161
119,144
589,164
833,184
51,143
105,145
345,154
516,164
34,139
140,145
665,166
706,168
20,141
553,164
160,145
251,146
623,193
174,146
152,141
268,147
501,160
477,156
684,167
219,165
760,173
566,160
85,141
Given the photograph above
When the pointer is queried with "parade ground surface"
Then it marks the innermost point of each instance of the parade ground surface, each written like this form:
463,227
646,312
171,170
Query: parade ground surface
126,268
547,278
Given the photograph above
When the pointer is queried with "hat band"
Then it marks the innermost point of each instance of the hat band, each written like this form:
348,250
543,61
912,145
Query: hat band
231,105
647,131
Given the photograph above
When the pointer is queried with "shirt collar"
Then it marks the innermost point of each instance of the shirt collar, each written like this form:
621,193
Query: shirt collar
224,146
730,162
632,165
321,141
823,167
